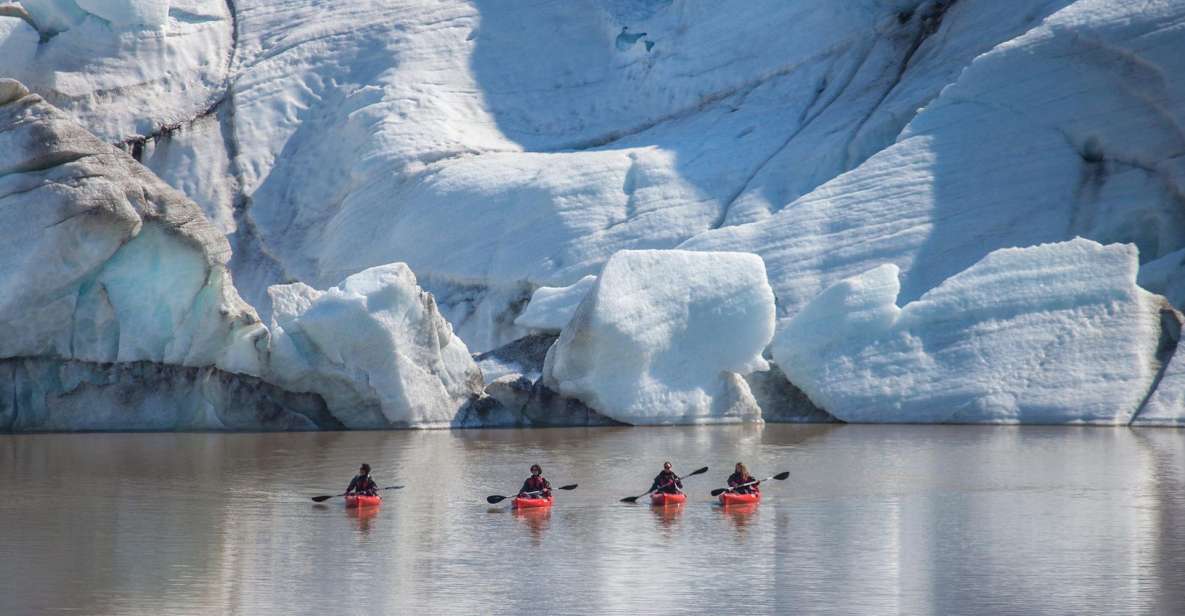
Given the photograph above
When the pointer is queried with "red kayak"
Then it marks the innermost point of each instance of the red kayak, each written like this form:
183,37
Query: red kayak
531,503
732,498
662,499
356,500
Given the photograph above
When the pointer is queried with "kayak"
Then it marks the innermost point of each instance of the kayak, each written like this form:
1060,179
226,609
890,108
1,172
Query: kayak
354,501
531,503
662,499
732,498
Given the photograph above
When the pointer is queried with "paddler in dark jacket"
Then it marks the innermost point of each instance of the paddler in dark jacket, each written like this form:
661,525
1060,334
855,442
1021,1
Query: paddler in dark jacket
536,483
667,482
742,476
363,483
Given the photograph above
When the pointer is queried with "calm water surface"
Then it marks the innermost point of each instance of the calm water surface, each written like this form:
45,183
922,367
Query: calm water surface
874,520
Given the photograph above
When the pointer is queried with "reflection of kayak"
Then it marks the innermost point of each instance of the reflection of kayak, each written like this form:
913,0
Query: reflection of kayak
663,499
353,501
362,514
732,498
531,503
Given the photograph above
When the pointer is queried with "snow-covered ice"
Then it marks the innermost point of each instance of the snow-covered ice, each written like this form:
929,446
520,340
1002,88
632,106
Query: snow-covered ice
375,347
1057,333
665,336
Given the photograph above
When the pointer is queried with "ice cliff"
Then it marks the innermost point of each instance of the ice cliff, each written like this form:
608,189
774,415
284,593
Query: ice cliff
117,310
505,152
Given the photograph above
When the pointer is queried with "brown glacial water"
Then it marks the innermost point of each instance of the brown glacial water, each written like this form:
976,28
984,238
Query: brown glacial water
873,520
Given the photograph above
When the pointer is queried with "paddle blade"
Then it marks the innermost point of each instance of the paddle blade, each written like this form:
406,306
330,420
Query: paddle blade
493,500
782,475
719,491
698,471
393,488
321,499
567,487
630,499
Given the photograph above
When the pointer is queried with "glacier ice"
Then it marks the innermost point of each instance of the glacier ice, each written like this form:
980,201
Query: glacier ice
124,69
499,149
117,310
1073,129
1057,333
665,337
376,347
393,120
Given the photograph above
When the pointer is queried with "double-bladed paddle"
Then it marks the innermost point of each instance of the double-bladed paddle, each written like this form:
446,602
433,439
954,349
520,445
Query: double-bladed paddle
497,499
779,477
321,499
634,499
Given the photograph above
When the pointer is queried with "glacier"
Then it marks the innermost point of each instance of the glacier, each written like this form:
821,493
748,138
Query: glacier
505,152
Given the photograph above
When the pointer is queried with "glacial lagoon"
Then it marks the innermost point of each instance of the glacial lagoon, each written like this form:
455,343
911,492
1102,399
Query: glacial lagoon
873,520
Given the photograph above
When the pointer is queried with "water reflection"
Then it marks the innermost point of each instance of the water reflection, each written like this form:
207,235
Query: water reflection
536,520
667,516
362,517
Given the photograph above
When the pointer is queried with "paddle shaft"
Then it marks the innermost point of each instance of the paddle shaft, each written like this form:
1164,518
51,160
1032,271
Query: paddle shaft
779,477
634,499
497,498
319,499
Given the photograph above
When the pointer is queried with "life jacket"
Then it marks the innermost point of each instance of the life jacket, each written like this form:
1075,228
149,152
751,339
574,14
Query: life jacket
667,481
534,483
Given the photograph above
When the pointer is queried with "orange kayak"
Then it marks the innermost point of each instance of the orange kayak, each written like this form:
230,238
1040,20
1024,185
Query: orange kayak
531,503
732,498
663,499
354,501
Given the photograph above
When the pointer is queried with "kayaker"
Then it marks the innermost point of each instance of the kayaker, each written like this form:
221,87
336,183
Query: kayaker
536,483
363,483
667,482
742,476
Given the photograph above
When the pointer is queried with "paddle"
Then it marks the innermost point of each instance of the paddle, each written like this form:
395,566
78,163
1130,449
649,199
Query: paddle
634,499
495,499
321,499
779,477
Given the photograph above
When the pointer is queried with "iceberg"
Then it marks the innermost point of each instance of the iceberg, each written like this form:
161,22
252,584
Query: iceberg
665,337
1057,333
375,347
